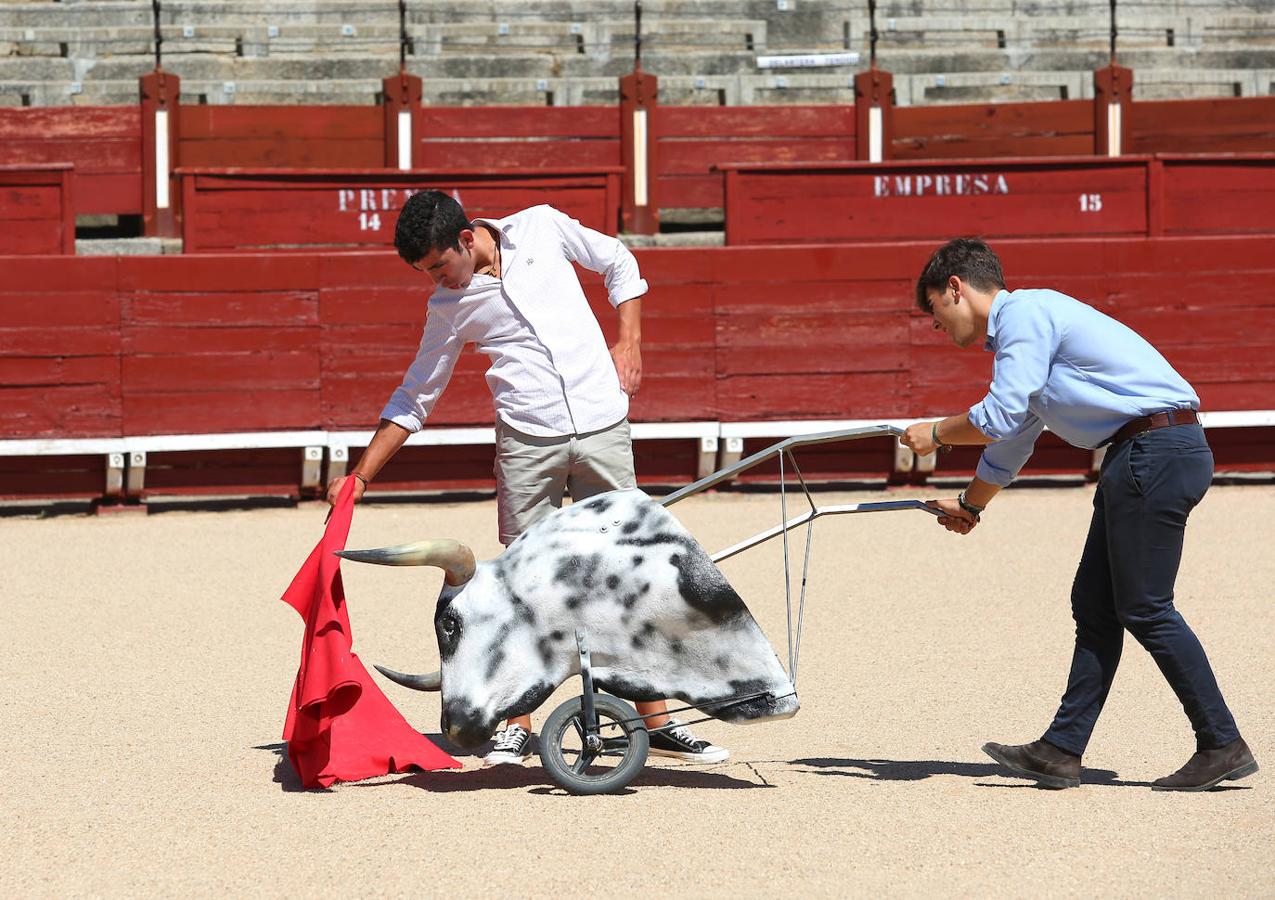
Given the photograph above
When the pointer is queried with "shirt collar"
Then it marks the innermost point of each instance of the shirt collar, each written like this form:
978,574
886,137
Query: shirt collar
997,302
503,226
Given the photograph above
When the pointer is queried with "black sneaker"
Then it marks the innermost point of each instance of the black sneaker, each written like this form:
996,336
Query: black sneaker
678,742
513,746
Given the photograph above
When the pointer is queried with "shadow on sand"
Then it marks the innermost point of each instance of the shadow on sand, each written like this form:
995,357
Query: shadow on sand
915,770
531,777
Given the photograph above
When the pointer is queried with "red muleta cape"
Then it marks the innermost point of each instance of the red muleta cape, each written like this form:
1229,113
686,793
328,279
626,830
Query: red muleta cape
340,726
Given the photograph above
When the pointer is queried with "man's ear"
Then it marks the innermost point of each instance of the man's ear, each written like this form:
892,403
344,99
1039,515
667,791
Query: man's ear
467,238
954,287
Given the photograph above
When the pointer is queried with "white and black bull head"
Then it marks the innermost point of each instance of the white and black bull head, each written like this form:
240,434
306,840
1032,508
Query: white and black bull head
661,619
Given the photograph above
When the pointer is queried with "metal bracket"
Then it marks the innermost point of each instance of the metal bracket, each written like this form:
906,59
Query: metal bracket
592,740
338,459
114,475
732,450
311,468
707,456
136,480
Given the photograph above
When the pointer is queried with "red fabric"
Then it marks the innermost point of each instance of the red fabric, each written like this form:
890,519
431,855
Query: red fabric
340,726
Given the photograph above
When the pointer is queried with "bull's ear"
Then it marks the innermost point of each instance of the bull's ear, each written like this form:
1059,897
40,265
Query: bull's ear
452,557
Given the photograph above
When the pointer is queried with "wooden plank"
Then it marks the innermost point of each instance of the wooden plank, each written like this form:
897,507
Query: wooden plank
199,412
230,209
1053,128
904,201
283,152
1219,196
518,155
439,122
1203,125
60,411
282,123
692,157
220,373
767,122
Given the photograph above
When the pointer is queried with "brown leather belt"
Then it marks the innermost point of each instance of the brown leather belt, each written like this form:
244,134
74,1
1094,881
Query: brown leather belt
1135,427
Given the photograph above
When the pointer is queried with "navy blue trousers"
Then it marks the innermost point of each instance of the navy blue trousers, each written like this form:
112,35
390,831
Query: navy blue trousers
1147,488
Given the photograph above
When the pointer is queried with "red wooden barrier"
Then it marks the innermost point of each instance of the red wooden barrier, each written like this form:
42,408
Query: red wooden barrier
695,141
519,137
94,347
102,142
1076,196
236,209
1055,128
1215,194
59,347
1232,124
37,210
285,137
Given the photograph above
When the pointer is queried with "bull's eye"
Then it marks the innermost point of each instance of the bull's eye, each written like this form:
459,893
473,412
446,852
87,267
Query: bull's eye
448,625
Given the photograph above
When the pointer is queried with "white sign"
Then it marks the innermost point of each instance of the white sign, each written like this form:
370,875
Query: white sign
807,60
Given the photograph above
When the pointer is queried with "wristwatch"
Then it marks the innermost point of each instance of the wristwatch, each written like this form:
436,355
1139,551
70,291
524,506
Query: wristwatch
975,511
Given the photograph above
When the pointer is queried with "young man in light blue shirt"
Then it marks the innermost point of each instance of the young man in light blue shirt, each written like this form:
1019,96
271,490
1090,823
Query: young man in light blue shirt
1094,382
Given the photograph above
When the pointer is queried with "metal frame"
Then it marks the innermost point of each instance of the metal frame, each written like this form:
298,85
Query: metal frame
783,450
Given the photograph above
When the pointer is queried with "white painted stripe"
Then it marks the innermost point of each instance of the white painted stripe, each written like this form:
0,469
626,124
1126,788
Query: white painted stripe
875,135
1113,129
161,159
404,139
639,157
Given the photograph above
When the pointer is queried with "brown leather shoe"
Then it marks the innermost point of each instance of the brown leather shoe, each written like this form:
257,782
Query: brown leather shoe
1041,760
1209,768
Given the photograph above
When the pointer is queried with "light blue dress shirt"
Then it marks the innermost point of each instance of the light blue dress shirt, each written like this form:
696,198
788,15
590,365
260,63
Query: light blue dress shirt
1062,364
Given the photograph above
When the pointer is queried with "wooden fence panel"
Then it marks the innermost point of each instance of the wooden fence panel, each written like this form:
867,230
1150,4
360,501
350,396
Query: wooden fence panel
37,209
238,209
103,143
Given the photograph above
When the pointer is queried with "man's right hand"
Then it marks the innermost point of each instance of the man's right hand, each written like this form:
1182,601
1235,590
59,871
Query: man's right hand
336,484
954,518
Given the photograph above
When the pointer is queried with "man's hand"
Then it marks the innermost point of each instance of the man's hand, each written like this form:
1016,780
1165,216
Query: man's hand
954,518
335,485
919,439
627,356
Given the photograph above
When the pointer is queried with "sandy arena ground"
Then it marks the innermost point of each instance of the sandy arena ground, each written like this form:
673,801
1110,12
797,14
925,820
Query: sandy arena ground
150,662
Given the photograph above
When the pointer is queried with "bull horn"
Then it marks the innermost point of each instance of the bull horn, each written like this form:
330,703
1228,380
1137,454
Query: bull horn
452,557
431,682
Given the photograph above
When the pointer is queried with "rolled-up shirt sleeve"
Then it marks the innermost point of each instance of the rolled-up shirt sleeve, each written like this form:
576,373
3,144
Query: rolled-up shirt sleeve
1026,341
414,399
600,253
1002,461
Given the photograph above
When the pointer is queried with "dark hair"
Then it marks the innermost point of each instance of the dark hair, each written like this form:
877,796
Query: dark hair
969,259
429,220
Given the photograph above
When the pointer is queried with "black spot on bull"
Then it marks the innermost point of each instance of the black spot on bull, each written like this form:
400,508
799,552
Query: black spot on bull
628,688
705,588
732,709
600,504
530,701
495,653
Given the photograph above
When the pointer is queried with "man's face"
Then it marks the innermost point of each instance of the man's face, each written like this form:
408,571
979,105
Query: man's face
953,314
450,268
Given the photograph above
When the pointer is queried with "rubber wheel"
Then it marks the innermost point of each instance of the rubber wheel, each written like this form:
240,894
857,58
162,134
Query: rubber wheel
579,771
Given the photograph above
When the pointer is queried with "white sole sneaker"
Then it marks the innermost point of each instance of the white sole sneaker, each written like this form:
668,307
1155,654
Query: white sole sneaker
503,759
711,755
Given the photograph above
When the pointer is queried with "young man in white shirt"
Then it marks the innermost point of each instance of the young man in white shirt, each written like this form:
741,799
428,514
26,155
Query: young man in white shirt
562,401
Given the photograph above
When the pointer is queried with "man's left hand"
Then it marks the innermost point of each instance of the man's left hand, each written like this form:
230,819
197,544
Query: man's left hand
628,365
954,518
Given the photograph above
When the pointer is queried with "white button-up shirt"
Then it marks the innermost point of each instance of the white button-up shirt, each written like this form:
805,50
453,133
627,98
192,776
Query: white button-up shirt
551,373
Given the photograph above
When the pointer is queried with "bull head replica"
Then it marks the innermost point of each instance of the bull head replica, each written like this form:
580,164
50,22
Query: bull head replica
661,619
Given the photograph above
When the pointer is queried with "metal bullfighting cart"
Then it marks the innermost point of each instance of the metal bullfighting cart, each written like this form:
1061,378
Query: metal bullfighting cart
597,743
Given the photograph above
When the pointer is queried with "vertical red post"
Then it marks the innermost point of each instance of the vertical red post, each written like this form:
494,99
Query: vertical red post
639,110
873,115
161,113
1112,109
68,210
402,93
1155,197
